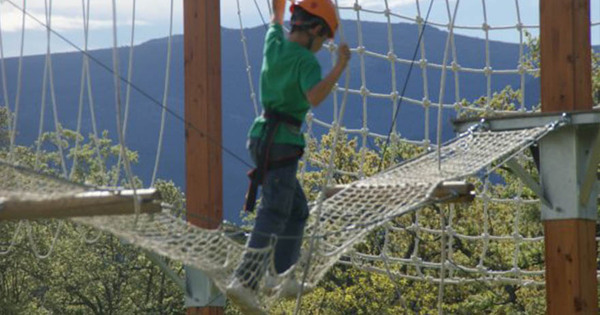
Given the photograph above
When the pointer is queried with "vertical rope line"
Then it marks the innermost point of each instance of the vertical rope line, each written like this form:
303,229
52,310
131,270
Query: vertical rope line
130,64
517,237
443,85
15,117
485,235
415,254
392,59
128,90
423,64
81,96
488,67
451,240
88,79
117,85
43,98
443,262
455,67
364,92
57,124
521,65
336,105
3,72
82,83
388,270
164,100
247,59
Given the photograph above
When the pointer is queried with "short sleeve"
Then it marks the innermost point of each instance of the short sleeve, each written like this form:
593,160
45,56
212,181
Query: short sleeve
310,74
274,33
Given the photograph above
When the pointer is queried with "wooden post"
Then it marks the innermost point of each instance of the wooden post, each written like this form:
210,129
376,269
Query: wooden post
202,55
570,246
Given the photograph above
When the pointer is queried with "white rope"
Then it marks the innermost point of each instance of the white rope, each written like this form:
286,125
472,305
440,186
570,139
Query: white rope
364,91
488,71
442,262
13,239
117,85
3,73
164,100
84,82
425,102
15,117
521,66
455,65
443,84
392,58
247,60
128,91
32,243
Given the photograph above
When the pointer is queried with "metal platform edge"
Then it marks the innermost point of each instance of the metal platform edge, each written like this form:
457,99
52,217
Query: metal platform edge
526,120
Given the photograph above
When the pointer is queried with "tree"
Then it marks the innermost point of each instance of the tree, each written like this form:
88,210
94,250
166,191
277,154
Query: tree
104,277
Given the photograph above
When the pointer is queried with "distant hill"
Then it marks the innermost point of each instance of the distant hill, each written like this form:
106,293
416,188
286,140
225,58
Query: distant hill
238,112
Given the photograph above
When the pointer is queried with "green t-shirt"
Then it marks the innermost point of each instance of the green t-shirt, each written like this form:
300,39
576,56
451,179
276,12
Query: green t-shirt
288,72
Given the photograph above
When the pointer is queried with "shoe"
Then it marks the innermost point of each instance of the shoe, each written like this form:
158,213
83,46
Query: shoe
291,287
288,288
244,297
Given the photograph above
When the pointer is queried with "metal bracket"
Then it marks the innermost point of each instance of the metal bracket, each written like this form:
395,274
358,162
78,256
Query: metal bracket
198,290
160,262
528,181
590,171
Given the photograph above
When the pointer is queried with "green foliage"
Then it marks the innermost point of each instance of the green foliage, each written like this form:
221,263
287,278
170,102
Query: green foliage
104,277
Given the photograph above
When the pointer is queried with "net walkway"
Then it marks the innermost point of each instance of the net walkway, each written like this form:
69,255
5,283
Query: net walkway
346,218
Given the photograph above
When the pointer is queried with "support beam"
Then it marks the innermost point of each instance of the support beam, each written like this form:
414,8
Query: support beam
531,183
445,192
570,248
85,204
202,55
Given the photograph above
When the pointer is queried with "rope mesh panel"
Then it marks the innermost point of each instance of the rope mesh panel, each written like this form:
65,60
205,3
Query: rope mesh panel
347,217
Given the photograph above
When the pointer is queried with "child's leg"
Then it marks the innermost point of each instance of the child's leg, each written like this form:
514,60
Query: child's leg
288,246
273,212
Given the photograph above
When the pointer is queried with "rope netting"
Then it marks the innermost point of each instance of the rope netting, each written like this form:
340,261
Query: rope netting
346,218
395,205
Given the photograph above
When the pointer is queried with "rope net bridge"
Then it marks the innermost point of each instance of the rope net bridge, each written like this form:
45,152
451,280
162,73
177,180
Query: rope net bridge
347,217
416,239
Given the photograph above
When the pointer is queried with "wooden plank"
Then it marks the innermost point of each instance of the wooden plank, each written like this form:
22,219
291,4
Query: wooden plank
570,246
446,192
202,55
79,205
570,272
454,192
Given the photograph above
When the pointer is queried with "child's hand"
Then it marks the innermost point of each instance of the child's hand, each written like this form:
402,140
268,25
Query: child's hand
343,55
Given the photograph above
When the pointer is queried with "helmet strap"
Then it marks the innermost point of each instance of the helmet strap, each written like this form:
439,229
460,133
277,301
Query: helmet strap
311,39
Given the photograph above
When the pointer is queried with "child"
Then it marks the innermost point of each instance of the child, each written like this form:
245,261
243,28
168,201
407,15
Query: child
290,82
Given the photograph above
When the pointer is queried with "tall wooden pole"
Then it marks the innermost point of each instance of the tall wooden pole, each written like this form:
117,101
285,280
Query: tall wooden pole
202,53
570,246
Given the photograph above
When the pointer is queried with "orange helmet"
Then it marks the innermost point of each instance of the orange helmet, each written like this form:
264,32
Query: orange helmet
321,8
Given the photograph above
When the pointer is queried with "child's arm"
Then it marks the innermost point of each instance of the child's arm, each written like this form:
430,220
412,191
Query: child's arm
319,92
278,11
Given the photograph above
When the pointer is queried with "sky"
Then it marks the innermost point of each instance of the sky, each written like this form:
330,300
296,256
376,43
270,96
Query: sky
152,19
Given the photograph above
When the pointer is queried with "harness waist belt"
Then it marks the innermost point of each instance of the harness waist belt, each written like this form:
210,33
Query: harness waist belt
257,175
